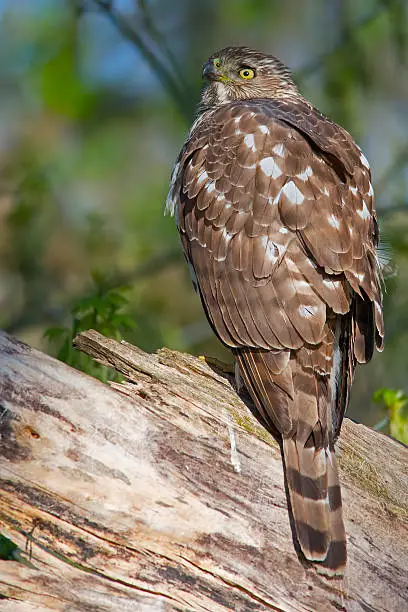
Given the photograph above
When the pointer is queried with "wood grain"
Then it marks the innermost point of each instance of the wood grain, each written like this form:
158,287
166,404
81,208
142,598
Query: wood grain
164,493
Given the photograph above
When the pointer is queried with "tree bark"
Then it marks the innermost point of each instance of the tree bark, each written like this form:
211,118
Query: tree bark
165,493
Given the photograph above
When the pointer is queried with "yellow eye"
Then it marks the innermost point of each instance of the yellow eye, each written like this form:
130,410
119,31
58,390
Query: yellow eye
217,63
246,73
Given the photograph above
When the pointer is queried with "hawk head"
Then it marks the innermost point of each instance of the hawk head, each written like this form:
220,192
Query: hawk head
239,73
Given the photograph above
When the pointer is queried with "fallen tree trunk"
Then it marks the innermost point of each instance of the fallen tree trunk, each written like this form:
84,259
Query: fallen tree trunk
164,493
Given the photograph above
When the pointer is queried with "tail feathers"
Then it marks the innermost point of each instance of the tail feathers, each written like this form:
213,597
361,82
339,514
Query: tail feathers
336,557
292,393
315,497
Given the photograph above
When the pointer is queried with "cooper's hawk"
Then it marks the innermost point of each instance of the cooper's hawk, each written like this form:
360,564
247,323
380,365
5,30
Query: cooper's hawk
275,210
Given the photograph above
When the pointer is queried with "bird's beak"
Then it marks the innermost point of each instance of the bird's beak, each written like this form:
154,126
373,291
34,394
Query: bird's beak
210,72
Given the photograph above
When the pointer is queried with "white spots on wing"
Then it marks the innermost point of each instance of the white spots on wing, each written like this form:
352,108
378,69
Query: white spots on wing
364,160
360,277
271,252
301,284
326,191
378,308
294,195
334,222
238,132
276,198
270,168
203,176
353,190
307,311
370,191
249,140
279,149
290,264
222,252
364,213
210,187
281,248
283,230
264,129
333,284
305,174
237,119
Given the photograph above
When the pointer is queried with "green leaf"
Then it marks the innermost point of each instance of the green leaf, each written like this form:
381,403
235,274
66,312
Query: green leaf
7,548
396,405
102,309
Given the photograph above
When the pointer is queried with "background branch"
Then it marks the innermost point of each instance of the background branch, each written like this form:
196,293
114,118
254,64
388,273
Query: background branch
170,83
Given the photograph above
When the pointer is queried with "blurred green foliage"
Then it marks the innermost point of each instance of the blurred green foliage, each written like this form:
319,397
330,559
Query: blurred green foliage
96,100
101,310
395,406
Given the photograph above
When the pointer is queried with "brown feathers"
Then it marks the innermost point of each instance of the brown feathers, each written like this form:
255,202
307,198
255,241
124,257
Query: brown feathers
275,210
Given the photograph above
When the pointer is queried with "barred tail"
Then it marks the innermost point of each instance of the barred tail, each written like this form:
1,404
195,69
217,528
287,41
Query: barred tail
292,391
314,491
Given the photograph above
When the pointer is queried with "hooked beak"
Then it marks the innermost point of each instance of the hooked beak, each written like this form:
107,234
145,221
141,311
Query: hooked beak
210,72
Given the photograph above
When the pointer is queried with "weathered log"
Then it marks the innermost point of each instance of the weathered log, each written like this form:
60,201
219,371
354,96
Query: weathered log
164,493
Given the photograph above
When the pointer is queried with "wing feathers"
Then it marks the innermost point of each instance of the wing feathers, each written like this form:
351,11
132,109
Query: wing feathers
276,215
364,329
272,389
265,180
